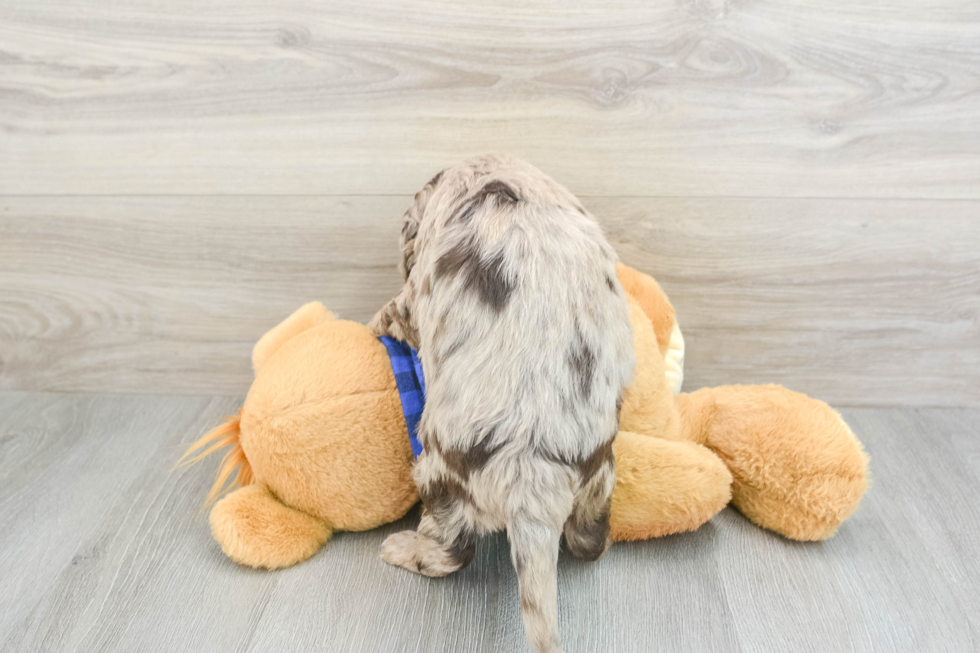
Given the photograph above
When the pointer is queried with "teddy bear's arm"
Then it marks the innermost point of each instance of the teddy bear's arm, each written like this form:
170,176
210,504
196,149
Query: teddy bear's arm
798,469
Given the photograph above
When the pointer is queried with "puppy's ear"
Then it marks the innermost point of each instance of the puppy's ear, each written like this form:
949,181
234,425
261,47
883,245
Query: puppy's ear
410,225
410,230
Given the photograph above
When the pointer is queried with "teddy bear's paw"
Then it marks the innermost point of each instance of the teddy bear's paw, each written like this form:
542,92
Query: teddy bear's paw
417,553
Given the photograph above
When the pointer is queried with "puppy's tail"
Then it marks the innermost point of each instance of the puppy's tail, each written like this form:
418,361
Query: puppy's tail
226,435
534,551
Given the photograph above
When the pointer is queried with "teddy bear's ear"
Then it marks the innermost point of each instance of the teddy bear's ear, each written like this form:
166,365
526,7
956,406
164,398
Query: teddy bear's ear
306,317
651,297
658,309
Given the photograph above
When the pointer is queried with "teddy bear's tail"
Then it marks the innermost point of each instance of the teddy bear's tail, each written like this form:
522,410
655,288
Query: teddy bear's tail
226,435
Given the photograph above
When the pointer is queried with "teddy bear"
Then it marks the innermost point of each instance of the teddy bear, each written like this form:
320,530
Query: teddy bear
321,444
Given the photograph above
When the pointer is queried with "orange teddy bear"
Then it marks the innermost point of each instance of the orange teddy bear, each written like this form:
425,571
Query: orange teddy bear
321,444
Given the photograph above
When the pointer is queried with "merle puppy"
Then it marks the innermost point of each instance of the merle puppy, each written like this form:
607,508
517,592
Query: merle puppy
512,300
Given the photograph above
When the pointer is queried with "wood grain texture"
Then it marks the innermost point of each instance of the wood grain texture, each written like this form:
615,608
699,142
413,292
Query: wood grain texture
809,98
856,302
900,548
102,549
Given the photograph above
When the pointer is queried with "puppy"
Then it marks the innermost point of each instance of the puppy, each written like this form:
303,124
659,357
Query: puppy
523,330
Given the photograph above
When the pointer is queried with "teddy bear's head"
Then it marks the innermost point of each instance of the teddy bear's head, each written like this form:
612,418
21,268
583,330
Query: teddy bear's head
322,425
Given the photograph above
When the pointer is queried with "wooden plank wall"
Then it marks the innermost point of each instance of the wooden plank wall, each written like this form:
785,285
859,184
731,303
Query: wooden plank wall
802,176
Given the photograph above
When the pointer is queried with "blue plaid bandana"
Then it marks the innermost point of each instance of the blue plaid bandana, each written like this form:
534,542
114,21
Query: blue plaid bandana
411,386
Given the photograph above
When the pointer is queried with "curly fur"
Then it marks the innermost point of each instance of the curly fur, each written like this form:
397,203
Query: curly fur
512,299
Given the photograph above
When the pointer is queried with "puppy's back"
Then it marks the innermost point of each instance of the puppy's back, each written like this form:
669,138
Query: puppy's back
525,336
523,326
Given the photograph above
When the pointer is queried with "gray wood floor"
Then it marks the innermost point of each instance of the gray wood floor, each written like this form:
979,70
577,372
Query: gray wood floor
102,549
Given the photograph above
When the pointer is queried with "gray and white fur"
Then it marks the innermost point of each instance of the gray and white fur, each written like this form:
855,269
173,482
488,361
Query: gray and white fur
512,300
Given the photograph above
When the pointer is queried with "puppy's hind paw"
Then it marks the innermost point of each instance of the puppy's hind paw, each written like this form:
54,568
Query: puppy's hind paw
401,550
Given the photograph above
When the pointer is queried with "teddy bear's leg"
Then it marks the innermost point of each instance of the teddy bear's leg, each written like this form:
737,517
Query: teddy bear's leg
664,487
256,529
797,467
